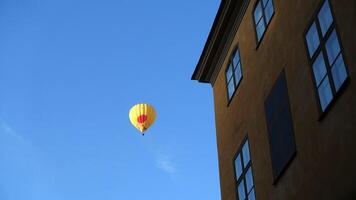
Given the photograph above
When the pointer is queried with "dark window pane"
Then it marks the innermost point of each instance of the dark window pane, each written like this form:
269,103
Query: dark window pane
246,153
269,11
319,69
325,17
231,88
251,196
260,29
332,47
280,126
228,73
236,58
325,94
249,179
312,39
339,73
258,12
241,190
238,167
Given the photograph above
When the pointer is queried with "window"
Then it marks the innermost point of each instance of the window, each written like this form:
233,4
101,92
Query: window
325,54
280,127
243,171
233,73
262,15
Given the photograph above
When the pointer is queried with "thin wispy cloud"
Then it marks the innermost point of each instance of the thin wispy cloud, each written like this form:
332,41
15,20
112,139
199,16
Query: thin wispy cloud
7,129
165,164
22,161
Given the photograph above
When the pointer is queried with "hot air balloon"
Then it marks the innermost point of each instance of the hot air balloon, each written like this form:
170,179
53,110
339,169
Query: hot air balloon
142,116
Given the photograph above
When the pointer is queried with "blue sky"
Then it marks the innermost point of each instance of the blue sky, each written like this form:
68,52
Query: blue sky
69,72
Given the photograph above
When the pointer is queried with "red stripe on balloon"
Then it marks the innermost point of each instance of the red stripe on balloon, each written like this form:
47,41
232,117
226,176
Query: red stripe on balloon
141,119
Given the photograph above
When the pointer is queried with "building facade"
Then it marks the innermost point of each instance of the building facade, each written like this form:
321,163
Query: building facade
283,74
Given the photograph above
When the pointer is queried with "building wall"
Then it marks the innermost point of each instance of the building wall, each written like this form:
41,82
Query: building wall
325,164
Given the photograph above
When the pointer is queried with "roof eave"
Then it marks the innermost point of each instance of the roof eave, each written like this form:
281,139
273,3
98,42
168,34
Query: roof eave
201,69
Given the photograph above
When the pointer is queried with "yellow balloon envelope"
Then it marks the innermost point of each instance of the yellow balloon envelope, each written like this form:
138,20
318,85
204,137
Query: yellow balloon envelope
142,116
